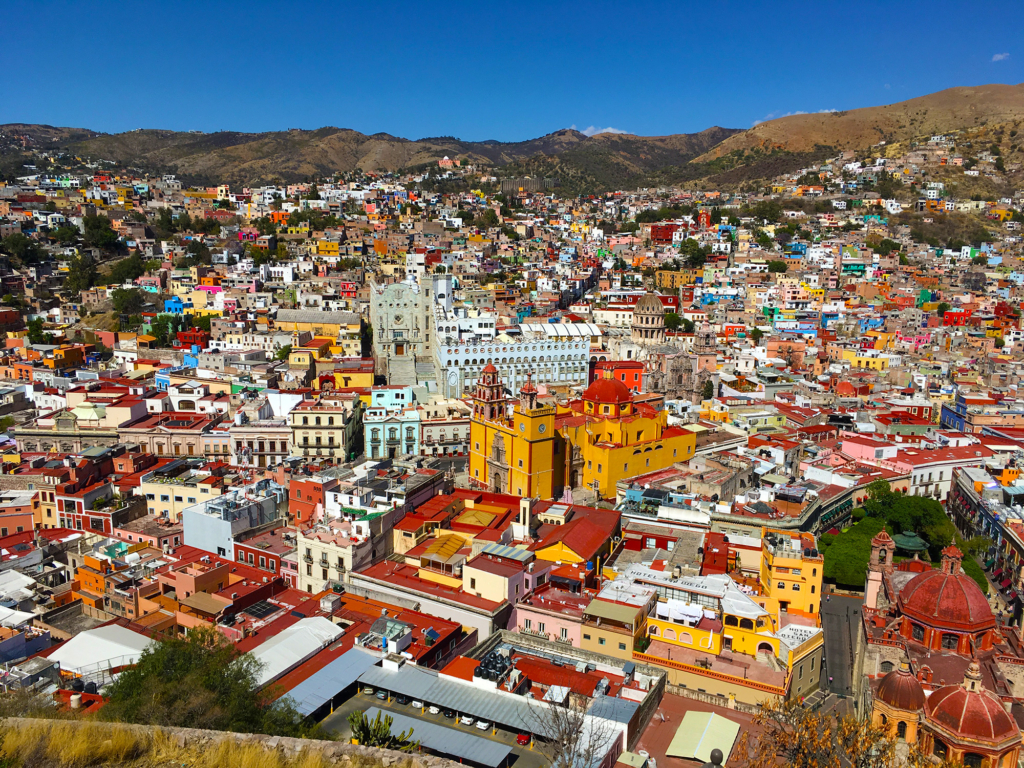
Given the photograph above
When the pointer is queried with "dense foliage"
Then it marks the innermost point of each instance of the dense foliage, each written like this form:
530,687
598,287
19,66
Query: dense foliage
199,681
847,555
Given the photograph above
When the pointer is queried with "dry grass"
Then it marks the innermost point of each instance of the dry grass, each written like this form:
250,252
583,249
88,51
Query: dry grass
81,744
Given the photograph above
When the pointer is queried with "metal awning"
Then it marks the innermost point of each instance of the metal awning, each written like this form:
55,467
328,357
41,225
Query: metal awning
316,690
446,741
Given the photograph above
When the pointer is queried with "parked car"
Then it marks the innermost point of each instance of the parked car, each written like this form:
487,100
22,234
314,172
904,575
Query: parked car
403,700
449,713
483,725
466,720
434,710
368,690
382,695
523,739
417,704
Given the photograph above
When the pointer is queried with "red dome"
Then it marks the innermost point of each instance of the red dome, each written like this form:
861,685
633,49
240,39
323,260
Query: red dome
608,391
941,599
975,715
489,368
900,689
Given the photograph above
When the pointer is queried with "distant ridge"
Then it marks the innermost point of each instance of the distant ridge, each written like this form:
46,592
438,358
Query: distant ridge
584,163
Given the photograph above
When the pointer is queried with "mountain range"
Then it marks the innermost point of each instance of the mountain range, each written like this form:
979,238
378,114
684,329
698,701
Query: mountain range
581,162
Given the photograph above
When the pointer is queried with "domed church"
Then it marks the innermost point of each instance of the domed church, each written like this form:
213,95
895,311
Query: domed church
962,723
943,671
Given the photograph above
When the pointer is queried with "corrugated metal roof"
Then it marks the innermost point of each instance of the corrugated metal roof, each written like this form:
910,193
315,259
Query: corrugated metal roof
512,553
447,741
315,691
505,709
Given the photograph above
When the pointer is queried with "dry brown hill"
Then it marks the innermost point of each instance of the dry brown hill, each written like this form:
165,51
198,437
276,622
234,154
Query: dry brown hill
950,110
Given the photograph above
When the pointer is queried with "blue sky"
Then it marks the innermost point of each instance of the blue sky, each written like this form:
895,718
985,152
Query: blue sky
489,70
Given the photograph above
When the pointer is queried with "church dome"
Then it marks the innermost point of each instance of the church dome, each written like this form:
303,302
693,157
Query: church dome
900,689
968,711
489,368
608,391
947,598
649,304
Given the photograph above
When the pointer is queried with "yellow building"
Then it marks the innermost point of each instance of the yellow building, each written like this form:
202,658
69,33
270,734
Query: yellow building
857,360
512,449
791,571
600,440
608,438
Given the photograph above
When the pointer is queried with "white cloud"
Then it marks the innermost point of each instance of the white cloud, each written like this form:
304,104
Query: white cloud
1000,56
779,114
594,130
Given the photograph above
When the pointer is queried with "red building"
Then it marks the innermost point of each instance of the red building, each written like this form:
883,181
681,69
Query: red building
956,317
661,234
264,552
629,372
193,337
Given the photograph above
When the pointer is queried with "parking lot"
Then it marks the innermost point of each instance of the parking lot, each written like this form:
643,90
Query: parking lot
337,724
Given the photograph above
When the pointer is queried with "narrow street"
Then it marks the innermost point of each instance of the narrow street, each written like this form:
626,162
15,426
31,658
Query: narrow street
840,620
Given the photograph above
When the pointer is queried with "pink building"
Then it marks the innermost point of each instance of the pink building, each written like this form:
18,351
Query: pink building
552,613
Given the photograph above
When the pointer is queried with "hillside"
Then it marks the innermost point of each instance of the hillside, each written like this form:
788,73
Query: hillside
954,109
716,156
296,154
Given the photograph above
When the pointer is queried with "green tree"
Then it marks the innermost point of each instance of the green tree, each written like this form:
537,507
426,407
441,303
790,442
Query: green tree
687,325
487,218
942,309
22,249
903,261
36,334
377,732
846,559
777,266
128,301
81,274
128,269
199,681
202,322
283,352
98,232
756,334
672,321
768,210
887,246
695,256
64,234
708,391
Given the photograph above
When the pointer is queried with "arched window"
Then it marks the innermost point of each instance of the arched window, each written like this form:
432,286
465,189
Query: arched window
917,632
730,621
973,760
305,419
950,641
901,730
886,667
318,421
652,630
939,749
765,648
330,421
746,624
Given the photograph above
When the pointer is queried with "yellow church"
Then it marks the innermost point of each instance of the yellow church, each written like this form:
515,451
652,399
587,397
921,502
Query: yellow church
536,450
512,446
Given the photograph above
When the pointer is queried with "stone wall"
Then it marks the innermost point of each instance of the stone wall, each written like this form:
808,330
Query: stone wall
340,753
